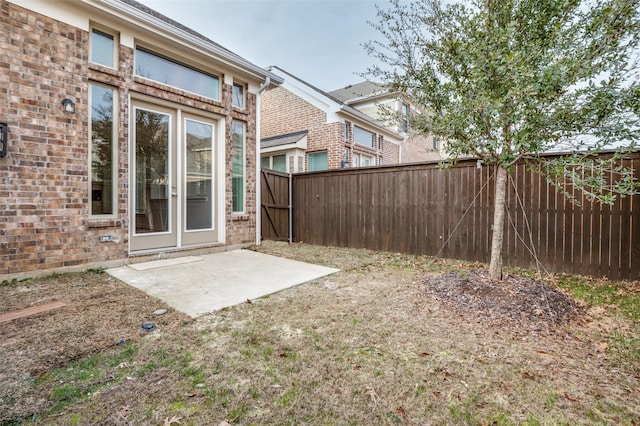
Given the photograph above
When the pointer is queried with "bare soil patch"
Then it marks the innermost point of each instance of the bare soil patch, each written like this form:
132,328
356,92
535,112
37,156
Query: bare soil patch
391,339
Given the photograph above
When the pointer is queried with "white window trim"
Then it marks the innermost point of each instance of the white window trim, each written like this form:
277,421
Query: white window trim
114,155
172,58
244,168
116,45
372,144
244,95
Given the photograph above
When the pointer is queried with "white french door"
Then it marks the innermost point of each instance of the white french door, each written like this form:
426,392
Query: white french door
173,178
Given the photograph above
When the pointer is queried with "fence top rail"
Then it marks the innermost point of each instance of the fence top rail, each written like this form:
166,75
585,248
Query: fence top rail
275,172
467,162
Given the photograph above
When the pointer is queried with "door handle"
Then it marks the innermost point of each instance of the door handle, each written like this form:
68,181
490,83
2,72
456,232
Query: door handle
174,193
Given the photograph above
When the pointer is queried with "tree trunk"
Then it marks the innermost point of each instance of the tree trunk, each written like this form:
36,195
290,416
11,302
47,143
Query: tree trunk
495,267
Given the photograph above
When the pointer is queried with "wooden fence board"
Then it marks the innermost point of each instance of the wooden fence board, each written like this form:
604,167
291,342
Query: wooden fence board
419,208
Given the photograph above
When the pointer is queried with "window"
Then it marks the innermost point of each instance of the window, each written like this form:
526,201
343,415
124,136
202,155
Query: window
265,162
102,48
102,150
435,142
405,117
237,160
280,163
199,175
363,137
173,73
360,160
318,161
276,162
346,131
237,95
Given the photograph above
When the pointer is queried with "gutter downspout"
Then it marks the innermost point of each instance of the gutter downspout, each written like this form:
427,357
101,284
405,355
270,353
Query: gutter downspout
265,85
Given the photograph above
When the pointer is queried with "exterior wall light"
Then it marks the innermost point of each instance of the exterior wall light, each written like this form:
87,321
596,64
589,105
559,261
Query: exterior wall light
4,139
68,106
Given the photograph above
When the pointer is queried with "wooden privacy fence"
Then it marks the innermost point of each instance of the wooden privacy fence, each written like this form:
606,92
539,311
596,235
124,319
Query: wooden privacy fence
422,209
274,202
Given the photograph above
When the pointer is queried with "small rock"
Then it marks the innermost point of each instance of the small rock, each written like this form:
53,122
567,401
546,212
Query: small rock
161,311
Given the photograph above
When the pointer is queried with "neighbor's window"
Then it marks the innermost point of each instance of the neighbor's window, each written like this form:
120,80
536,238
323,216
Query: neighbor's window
317,161
274,162
279,163
405,117
157,67
360,160
435,142
237,169
102,48
363,137
102,150
237,95
346,130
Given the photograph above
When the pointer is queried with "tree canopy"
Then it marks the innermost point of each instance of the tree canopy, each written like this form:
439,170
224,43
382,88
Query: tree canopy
509,80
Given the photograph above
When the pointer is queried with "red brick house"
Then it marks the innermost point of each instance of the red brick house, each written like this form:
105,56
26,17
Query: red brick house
306,129
377,101
128,135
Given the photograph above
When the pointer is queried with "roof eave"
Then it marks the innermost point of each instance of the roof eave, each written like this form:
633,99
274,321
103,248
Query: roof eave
226,56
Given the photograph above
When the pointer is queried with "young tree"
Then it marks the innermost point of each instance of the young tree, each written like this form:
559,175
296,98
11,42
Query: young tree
507,80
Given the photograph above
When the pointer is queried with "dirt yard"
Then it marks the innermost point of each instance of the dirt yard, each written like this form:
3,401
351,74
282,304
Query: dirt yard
391,339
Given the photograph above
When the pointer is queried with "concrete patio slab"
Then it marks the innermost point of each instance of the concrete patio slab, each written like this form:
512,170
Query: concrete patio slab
206,283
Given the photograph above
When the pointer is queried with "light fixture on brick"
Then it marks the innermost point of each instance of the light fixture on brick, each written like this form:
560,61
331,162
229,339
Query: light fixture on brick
68,106
4,139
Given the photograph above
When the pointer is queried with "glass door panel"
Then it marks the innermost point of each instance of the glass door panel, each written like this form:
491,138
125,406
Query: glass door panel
199,175
153,205
152,172
199,196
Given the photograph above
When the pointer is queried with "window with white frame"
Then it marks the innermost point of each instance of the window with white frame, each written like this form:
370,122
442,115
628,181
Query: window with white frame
102,150
163,69
237,165
274,162
237,95
103,48
346,131
363,137
361,160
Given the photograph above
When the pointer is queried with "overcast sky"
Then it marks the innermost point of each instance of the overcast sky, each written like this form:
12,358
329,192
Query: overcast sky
319,41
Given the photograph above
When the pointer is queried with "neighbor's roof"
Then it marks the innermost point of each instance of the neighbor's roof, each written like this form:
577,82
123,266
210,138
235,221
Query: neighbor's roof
138,10
360,90
344,107
286,139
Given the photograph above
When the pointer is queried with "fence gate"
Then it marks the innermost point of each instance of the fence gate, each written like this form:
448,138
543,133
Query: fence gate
275,201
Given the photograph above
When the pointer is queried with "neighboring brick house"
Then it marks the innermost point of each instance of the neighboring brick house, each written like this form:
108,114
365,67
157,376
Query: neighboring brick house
390,107
128,135
306,129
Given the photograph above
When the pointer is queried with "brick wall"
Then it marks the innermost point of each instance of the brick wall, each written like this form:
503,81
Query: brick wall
44,183
283,112
417,148
390,153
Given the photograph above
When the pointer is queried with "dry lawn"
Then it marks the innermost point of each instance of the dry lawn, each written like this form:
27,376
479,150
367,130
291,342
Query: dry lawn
385,341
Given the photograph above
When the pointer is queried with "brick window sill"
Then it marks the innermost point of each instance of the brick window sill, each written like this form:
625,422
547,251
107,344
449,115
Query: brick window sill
103,223
240,217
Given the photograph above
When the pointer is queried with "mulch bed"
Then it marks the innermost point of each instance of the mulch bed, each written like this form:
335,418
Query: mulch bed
515,300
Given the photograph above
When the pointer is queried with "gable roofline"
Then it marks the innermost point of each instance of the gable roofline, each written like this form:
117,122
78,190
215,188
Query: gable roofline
337,105
299,133
351,94
138,11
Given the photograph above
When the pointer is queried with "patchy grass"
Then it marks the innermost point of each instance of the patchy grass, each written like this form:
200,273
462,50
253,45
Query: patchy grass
367,345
